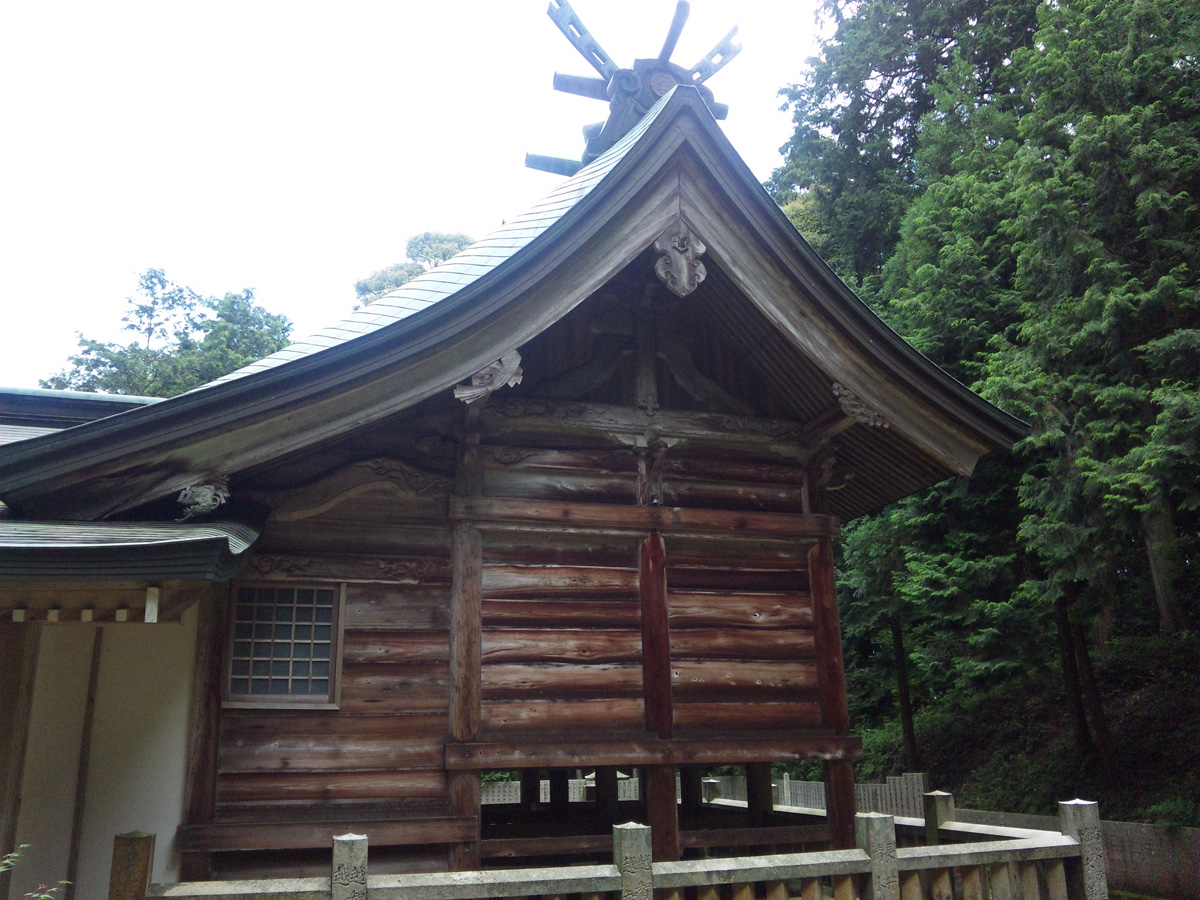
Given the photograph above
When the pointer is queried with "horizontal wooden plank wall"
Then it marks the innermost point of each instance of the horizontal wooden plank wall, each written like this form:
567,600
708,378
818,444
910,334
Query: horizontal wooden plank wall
380,757
562,642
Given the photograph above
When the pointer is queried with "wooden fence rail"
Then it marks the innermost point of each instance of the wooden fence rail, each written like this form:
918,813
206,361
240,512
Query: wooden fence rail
993,864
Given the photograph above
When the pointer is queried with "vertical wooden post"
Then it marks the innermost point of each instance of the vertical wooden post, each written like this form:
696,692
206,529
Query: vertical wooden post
831,681
632,856
691,788
81,771
939,809
348,874
466,640
656,638
664,812
606,793
204,722
18,668
759,801
560,790
1087,876
661,805
132,860
531,788
875,835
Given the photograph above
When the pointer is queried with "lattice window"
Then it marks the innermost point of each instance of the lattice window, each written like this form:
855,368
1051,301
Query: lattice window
284,645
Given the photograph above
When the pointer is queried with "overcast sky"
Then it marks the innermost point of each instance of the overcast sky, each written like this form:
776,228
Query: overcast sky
294,147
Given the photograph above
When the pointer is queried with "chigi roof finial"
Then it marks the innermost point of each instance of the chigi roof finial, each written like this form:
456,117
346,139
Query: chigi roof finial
630,92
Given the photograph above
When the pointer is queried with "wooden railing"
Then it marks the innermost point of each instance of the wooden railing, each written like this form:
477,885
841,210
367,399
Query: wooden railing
972,862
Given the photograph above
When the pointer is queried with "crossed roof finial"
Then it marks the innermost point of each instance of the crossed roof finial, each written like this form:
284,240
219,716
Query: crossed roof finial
630,92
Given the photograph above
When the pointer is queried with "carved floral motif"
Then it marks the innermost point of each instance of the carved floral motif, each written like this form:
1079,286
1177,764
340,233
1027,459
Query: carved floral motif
856,408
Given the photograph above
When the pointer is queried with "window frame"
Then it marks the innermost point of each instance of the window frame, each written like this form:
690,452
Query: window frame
330,701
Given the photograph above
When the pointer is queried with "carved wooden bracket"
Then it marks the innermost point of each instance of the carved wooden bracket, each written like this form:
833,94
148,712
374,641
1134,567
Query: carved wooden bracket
856,408
200,499
504,371
680,268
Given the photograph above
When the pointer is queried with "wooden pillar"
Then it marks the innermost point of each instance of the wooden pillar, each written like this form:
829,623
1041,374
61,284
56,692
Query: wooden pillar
656,638
85,759
831,680
661,806
606,794
560,790
758,793
531,788
204,723
691,791
466,641
18,668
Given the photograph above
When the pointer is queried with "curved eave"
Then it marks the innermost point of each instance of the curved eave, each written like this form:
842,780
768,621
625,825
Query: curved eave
64,551
113,464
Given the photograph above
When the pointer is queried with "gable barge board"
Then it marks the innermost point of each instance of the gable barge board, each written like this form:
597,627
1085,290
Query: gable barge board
677,164
146,453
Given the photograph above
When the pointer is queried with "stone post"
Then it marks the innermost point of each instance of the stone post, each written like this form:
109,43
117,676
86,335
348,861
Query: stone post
939,809
348,877
875,834
1088,876
632,855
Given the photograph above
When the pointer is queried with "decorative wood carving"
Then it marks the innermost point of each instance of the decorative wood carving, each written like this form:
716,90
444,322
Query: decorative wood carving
856,408
349,568
680,268
382,475
201,499
504,371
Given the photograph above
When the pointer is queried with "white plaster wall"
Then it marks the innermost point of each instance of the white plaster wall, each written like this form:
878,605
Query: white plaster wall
138,761
52,756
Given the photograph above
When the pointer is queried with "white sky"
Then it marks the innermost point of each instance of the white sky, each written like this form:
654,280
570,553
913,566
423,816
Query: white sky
293,147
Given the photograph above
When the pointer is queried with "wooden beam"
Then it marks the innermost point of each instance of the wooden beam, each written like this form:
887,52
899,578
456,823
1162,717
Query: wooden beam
759,801
315,833
649,751
546,845
656,639
616,517
691,790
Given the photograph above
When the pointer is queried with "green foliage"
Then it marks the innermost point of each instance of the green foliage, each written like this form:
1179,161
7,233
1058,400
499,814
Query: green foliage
184,341
1015,187
433,247
379,283
42,891
425,250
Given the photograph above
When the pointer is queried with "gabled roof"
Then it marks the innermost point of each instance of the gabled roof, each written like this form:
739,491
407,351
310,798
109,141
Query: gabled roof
675,167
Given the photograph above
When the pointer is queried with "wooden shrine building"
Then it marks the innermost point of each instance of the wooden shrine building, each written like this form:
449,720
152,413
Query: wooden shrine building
565,502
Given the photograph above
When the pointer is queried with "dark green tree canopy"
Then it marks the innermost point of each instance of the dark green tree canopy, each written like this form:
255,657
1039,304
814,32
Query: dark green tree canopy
184,340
